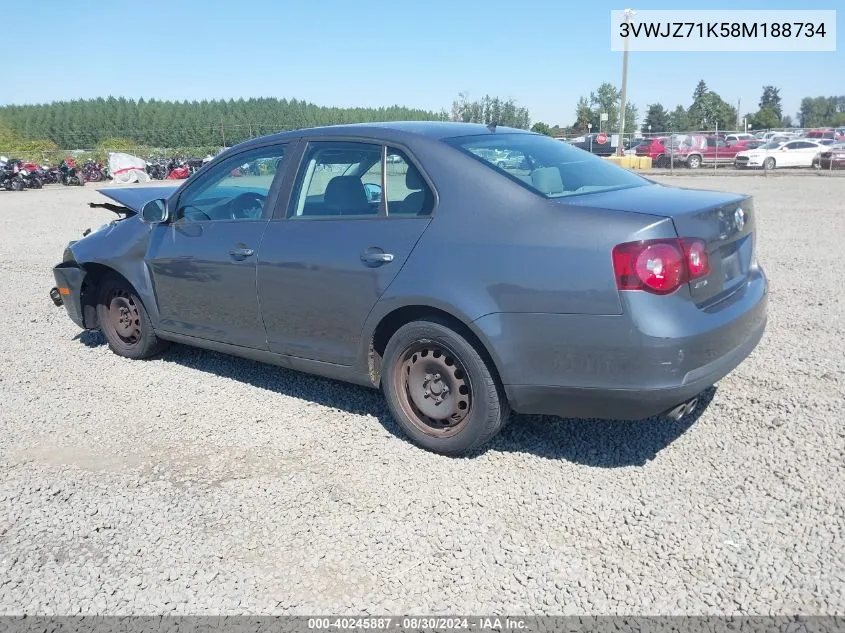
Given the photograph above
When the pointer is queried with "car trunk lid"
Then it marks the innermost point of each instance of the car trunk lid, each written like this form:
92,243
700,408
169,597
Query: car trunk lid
724,221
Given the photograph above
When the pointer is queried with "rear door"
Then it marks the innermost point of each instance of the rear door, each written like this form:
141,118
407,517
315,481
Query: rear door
356,211
203,262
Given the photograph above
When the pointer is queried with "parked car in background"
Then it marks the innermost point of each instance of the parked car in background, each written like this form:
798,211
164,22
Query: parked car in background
573,287
798,153
825,143
590,143
655,149
631,146
709,150
731,139
833,157
821,133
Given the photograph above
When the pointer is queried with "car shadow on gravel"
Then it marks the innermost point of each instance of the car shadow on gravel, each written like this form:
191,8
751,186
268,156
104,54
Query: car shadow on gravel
597,443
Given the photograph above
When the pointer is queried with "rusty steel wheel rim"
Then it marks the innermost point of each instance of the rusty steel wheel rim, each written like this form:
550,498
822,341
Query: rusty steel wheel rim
434,389
123,318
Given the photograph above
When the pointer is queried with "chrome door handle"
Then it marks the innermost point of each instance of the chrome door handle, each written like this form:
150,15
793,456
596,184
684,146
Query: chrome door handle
241,253
375,257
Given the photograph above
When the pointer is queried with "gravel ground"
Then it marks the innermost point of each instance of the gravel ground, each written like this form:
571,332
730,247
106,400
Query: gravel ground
198,483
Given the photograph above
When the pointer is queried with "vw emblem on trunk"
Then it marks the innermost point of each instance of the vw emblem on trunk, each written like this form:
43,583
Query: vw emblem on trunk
739,218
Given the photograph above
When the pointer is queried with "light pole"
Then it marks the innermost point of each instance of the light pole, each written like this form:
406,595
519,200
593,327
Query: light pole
629,14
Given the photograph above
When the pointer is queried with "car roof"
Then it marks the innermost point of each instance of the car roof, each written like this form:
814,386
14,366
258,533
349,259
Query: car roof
391,131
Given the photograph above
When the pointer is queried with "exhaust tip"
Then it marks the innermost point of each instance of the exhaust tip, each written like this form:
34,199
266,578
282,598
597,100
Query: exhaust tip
682,410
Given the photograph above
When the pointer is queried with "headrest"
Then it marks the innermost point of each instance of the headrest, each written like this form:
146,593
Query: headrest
413,179
345,193
547,180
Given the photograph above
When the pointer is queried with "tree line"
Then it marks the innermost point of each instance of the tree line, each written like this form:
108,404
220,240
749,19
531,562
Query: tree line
200,126
708,109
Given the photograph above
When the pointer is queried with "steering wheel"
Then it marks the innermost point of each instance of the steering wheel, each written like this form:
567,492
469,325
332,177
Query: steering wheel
248,205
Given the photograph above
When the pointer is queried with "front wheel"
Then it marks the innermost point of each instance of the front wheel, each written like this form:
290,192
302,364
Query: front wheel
440,390
769,163
124,320
17,185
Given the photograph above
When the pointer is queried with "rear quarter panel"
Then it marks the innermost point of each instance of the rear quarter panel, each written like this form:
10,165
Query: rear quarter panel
495,247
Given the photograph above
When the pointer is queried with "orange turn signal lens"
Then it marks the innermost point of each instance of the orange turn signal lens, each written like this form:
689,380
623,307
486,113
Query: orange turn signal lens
64,291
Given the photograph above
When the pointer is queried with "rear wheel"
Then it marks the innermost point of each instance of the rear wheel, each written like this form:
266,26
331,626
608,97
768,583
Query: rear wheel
769,163
440,390
124,320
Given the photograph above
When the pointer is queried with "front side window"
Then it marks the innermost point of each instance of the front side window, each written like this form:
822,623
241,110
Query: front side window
339,179
235,189
546,166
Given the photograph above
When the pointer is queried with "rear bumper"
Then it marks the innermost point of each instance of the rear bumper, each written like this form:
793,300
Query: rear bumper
626,404
628,366
70,284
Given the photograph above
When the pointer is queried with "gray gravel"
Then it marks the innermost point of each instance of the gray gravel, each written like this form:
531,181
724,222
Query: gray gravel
198,483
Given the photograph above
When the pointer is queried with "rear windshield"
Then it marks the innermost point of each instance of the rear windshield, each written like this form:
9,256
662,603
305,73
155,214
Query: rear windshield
547,166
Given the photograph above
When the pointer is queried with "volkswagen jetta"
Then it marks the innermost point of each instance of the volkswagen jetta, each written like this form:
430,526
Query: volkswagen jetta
401,256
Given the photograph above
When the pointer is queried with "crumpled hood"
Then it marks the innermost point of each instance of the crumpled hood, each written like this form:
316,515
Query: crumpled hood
136,197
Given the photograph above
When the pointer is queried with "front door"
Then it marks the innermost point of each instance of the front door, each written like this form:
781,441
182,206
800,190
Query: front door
203,261
355,214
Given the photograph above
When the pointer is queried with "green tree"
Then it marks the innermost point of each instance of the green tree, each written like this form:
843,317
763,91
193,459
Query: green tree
764,119
583,116
657,117
708,110
541,128
821,111
489,110
679,120
770,100
606,99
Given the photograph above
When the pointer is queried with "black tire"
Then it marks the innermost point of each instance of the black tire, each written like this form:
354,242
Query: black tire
769,163
124,320
694,161
478,406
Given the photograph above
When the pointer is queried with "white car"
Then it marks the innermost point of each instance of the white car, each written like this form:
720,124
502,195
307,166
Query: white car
730,139
798,153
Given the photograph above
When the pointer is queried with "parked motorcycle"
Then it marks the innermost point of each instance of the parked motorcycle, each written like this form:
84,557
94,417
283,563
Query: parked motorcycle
32,175
71,174
10,176
157,170
51,175
93,171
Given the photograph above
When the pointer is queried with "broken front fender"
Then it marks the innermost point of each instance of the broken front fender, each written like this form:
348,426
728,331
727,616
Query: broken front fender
70,283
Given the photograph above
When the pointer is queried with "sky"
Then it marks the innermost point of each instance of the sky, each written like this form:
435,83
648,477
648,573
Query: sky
544,53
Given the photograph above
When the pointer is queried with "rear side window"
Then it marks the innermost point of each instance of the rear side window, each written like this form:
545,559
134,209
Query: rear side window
545,165
408,194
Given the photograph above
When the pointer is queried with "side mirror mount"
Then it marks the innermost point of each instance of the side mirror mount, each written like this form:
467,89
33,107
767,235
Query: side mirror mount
154,212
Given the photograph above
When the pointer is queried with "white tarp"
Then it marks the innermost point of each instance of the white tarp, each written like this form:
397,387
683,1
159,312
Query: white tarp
127,168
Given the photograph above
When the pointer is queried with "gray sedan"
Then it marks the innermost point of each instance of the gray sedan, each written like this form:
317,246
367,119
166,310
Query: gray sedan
405,257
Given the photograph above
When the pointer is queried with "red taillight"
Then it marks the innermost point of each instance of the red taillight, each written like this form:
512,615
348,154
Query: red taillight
697,260
659,266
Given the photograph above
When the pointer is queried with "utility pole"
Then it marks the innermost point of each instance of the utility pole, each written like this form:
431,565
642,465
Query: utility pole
620,148
738,110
